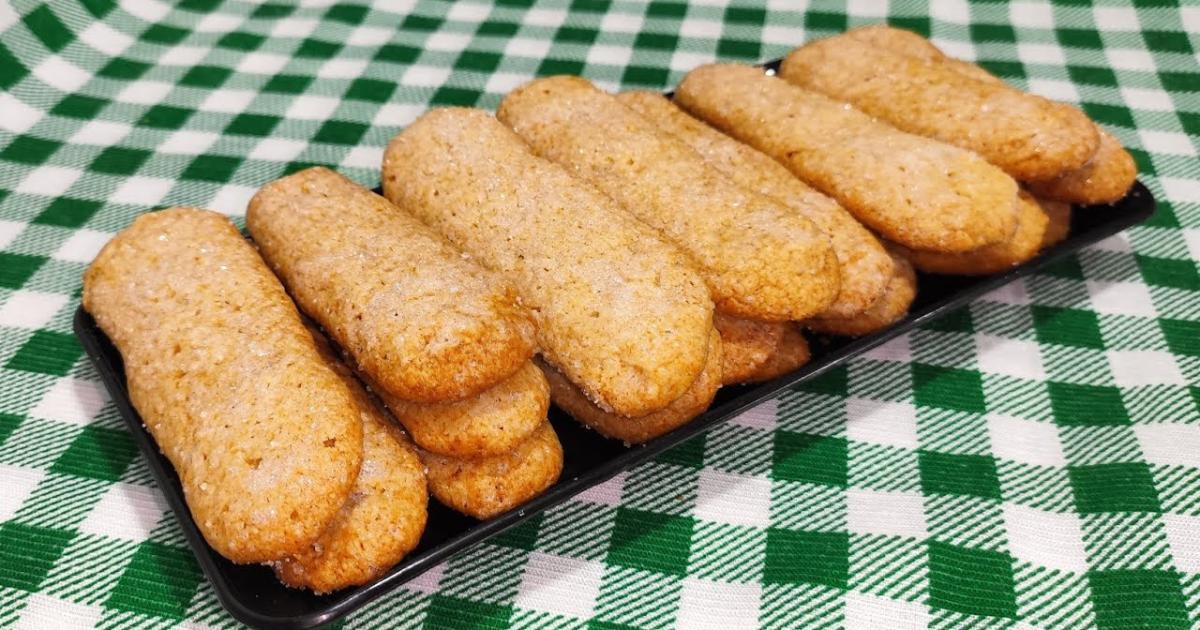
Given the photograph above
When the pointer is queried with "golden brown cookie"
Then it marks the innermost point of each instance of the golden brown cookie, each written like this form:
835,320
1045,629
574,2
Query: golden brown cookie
916,191
1059,224
790,355
865,265
761,260
266,438
1024,244
421,320
637,430
485,487
490,423
1030,137
892,307
746,345
619,311
385,515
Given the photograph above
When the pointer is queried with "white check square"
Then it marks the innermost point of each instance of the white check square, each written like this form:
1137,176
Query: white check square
30,309
1169,142
142,191
19,483
1025,441
18,117
881,422
145,92
311,107
1183,534
232,200
886,513
103,38
1132,368
1010,357
183,56
61,74
82,246
871,612
1121,298
53,179
262,63
71,400
1046,539
228,101
560,585
710,605
277,150
188,142
127,511
1169,444
733,499
101,133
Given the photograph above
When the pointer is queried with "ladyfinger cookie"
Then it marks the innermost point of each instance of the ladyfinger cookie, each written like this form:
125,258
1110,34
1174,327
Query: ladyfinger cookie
865,265
761,260
421,320
1030,137
746,344
266,438
1024,244
619,311
483,488
1105,178
637,430
490,423
790,354
916,191
385,516
890,308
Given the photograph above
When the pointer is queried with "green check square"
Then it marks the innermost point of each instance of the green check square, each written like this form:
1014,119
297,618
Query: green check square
551,66
211,168
340,132
16,269
1080,38
1004,69
318,48
1183,336
968,475
738,48
46,352
745,15
271,10
1169,272
397,53
810,458
11,68
424,23
825,21
347,13
478,60
452,613
370,90
8,423
459,96
162,34
497,28
666,9
522,536
590,6
1076,405
835,382
1067,267
79,106
1180,82
239,40
119,161
206,76
287,83
993,33
1190,122
122,68
689,454
1111,115
645,75
1092,75
252,124
97,453
1125,487
972,581
160,580
29,150
27,553
1167,41
804,557
46,26
99,8
656,41
577,35
1067,327
200,5
958,320
1138,599
165,117
68,212
651,541
915,24
948,388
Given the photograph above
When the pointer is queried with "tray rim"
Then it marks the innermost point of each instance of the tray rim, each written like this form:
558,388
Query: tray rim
93,341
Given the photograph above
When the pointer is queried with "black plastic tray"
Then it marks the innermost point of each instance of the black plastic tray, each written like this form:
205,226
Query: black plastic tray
252,594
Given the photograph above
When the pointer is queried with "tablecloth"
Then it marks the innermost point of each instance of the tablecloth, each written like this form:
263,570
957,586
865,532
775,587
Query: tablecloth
1030,461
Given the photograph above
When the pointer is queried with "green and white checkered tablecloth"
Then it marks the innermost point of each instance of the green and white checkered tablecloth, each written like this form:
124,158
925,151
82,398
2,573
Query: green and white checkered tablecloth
1031,461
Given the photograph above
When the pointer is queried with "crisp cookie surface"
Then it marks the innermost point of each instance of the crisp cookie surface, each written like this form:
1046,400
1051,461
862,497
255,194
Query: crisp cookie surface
1032,222
490,423
901,291
790,354
746,345
485,487
864,264
424,322
265,437
636,430
916,191
383,518
622,313
1028,136
761,260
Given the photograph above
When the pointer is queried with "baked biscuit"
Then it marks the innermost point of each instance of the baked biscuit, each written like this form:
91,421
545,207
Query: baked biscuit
1059,224
1025,243
266,438
916,191
619,311
385,515
490,423
746,345
790,354
1105,178
865,265
1030,137
761,260
637,430
421,320
485,487
891,308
